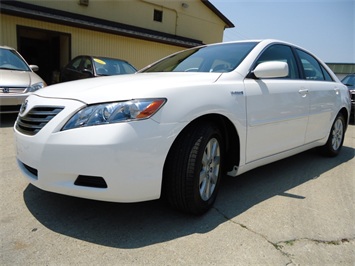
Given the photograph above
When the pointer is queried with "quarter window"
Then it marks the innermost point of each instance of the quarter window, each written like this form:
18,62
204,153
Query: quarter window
76,63
326,75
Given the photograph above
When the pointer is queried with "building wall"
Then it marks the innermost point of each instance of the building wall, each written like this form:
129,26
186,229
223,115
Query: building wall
342,69
138,52
51,45
192,20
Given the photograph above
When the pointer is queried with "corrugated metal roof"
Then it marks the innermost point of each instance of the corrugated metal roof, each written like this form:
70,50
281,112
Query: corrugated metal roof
339,68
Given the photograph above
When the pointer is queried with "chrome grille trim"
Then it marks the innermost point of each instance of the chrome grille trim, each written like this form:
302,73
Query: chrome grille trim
11,90
36,119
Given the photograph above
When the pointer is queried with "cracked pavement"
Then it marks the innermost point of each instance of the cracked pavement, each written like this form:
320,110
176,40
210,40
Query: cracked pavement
298,211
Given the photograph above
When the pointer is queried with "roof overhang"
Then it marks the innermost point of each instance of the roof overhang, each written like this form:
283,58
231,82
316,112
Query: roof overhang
228,23
20,9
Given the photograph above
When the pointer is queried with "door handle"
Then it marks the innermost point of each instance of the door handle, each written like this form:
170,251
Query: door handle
336,91
303,92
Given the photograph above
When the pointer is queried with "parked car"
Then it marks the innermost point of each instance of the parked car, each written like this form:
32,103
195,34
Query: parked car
349,81
17,80
85,66
177,126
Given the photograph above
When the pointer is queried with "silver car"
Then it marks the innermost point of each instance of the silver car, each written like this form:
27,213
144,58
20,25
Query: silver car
17,80
349,81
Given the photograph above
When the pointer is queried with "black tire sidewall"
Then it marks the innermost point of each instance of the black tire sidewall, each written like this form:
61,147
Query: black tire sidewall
328,147
200,205
180,186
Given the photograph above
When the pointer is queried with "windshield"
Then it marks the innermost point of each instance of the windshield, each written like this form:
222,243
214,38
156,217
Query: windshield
215,58
110,66
10,60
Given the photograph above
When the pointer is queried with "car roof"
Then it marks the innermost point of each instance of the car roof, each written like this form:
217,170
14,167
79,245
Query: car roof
7,47
102,57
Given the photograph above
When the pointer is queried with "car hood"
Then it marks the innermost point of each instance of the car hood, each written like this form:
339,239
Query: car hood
12,78
125,87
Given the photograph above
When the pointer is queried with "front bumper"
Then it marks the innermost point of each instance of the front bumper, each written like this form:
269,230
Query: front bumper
129,157
11,103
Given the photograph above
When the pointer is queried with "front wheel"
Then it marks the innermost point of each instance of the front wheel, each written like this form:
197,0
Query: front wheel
336,137
193,169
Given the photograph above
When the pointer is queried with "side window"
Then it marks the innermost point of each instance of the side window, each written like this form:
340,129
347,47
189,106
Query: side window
75,64
281,53
311,67
87,64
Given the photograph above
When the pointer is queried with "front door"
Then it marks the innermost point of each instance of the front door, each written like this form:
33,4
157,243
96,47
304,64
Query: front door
277,109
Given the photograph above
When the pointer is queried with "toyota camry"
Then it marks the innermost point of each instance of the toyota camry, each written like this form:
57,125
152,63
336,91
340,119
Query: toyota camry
176,127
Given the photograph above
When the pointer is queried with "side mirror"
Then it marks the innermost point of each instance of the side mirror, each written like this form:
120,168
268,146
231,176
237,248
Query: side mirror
87,72
271,69
34,67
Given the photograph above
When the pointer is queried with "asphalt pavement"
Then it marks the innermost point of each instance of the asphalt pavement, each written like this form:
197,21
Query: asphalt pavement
297,211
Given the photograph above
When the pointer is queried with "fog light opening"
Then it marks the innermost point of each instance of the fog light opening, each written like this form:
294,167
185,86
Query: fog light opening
90,181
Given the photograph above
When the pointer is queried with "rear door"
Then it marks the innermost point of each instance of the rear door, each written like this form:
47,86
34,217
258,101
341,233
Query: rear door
324,97
277,108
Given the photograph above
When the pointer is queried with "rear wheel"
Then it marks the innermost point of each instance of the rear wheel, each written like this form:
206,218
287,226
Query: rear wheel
336,137
193,169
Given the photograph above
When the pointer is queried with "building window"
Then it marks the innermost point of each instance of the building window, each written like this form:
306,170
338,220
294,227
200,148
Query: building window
158,15
84,2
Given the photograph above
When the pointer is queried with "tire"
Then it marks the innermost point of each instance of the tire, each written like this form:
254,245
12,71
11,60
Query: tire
193,169
336,137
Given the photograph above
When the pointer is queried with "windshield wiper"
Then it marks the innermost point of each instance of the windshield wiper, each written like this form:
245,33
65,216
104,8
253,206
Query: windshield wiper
9,68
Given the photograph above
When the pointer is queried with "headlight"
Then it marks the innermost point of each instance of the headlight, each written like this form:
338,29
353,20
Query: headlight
36,86
107,113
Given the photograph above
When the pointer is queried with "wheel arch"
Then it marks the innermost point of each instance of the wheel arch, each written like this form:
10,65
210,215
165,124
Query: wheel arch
229,134
345,113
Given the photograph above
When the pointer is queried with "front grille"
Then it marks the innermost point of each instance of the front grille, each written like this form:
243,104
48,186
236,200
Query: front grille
10,109
9,90
36,119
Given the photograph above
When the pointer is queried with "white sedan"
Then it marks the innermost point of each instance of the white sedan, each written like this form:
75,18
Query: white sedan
176,127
